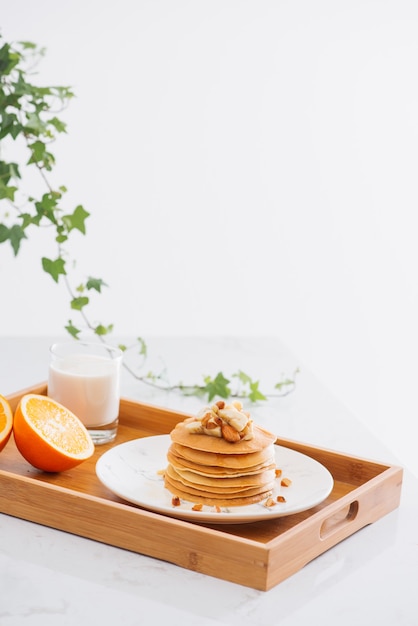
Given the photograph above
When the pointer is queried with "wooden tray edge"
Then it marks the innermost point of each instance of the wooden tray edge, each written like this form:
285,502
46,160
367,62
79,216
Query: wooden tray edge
237,559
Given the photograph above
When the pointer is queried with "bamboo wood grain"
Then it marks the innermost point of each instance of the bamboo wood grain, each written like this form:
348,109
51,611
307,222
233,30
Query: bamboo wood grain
258,555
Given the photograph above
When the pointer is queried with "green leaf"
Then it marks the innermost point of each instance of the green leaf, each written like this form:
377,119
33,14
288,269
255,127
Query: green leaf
8,171
36,125
47,207
7,192
244,378
95,283
252,390
142,346
103,330
16,234
217,386
10,124
41,156
54,268
255,394
27,219
29,45
8,59
79,303
59,126
286,382
76,220
63,93
74,332
4,233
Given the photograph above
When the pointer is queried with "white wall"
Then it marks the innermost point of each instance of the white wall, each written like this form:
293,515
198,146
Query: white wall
250,169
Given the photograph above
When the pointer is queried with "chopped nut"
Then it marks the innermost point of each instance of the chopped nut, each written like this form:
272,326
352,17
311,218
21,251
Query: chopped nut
269,502
213,422
161,472
285,482
278,472
205,419
197,507
220,404
175,501
229,433
281,499
217,508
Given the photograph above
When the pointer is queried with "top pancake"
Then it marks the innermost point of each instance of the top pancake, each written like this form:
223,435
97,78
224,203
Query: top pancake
261,439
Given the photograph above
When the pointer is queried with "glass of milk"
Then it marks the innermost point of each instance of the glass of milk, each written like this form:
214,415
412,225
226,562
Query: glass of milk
84,377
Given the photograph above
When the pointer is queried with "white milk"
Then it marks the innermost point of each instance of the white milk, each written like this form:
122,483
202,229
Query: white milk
88,386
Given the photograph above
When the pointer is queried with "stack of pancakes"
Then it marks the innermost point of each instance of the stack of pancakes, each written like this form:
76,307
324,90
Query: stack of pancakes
211,470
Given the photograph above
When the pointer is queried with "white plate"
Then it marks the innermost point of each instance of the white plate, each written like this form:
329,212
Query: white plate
132,471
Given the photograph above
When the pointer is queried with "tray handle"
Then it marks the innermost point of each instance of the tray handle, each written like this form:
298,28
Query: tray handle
335,522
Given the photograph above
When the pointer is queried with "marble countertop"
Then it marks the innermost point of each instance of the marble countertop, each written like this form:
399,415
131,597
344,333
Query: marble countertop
49,577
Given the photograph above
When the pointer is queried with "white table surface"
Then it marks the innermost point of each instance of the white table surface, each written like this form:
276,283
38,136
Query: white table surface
49,577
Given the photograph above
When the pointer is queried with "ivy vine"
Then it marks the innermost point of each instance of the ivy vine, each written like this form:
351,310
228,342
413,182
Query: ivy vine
30,120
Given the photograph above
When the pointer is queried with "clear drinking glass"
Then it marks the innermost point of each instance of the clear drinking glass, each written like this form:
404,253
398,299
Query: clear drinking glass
85,378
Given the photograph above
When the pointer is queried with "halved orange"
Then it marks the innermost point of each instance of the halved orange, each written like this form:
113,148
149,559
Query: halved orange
49,436
6,421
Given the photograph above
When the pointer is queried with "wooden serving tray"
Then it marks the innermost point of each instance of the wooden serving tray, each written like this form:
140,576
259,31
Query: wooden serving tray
258,555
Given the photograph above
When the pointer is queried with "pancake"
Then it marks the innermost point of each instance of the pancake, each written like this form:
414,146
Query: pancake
221,458
260,440
228,460
212,499
213,470
226,484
